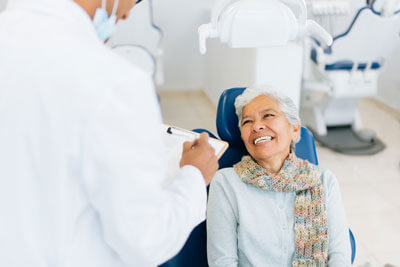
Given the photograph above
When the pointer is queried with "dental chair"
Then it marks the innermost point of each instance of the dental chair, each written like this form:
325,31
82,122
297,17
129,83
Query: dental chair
341,75
194,252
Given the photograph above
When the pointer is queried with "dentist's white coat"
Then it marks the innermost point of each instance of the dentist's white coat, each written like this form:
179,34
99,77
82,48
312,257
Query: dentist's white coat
81,153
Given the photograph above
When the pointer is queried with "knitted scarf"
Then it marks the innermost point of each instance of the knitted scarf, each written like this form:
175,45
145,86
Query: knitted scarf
310,227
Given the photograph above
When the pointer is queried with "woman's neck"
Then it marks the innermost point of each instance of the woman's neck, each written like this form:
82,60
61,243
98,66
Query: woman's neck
273,164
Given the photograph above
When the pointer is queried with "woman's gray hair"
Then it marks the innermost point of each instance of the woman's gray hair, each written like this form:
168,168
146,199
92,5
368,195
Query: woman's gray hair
285,103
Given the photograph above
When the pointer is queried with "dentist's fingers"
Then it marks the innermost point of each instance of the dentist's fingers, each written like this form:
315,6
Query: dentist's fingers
201,155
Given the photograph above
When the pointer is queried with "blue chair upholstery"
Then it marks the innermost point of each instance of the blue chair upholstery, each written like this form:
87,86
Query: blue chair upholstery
353,246
343,64
194,253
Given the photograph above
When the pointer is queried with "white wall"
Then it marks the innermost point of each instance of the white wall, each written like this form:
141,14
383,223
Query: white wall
389,81
278,67
227,68
179,19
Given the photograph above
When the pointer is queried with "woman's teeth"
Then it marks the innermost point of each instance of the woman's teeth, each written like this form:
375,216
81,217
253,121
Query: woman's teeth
262,139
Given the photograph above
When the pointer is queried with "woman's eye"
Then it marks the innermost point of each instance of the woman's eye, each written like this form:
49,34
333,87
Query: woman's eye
244,122
268,115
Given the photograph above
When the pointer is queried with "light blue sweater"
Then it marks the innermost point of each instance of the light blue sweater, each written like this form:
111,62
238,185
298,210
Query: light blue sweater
248,226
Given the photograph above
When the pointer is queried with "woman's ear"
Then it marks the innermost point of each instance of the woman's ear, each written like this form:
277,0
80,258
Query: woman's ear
296,132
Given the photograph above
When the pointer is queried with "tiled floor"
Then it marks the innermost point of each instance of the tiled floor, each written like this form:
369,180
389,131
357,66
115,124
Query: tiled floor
370,184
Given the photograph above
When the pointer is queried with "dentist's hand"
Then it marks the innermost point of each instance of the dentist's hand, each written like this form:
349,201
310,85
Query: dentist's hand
201,155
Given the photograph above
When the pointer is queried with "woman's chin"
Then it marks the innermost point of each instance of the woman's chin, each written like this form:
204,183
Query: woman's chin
264,148
262,155
265,154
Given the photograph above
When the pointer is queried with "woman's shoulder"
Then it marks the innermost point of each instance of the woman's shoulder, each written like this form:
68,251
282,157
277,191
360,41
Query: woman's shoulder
226,177
329,181
327,177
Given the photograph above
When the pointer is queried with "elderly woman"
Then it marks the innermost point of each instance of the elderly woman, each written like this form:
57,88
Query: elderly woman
272,208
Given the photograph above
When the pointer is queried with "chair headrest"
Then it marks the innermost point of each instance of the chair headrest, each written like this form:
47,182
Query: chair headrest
227,121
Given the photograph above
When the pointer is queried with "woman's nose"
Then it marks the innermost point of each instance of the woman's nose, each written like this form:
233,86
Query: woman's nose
258,126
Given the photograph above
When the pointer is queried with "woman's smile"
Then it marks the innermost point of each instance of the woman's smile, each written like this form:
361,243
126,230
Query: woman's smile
263,139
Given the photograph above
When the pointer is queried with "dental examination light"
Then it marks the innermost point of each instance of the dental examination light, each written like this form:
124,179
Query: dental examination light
260,23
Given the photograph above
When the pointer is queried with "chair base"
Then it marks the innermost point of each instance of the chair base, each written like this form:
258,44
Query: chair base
345,140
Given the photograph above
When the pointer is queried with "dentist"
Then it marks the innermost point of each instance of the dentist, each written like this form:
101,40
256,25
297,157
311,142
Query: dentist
81,152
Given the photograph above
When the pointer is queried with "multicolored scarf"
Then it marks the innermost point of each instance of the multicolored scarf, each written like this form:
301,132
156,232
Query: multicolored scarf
311,223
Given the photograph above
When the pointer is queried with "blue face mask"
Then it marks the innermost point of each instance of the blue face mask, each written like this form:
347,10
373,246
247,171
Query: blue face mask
105,26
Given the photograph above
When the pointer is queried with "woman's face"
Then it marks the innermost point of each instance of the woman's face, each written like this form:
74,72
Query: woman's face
265,131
